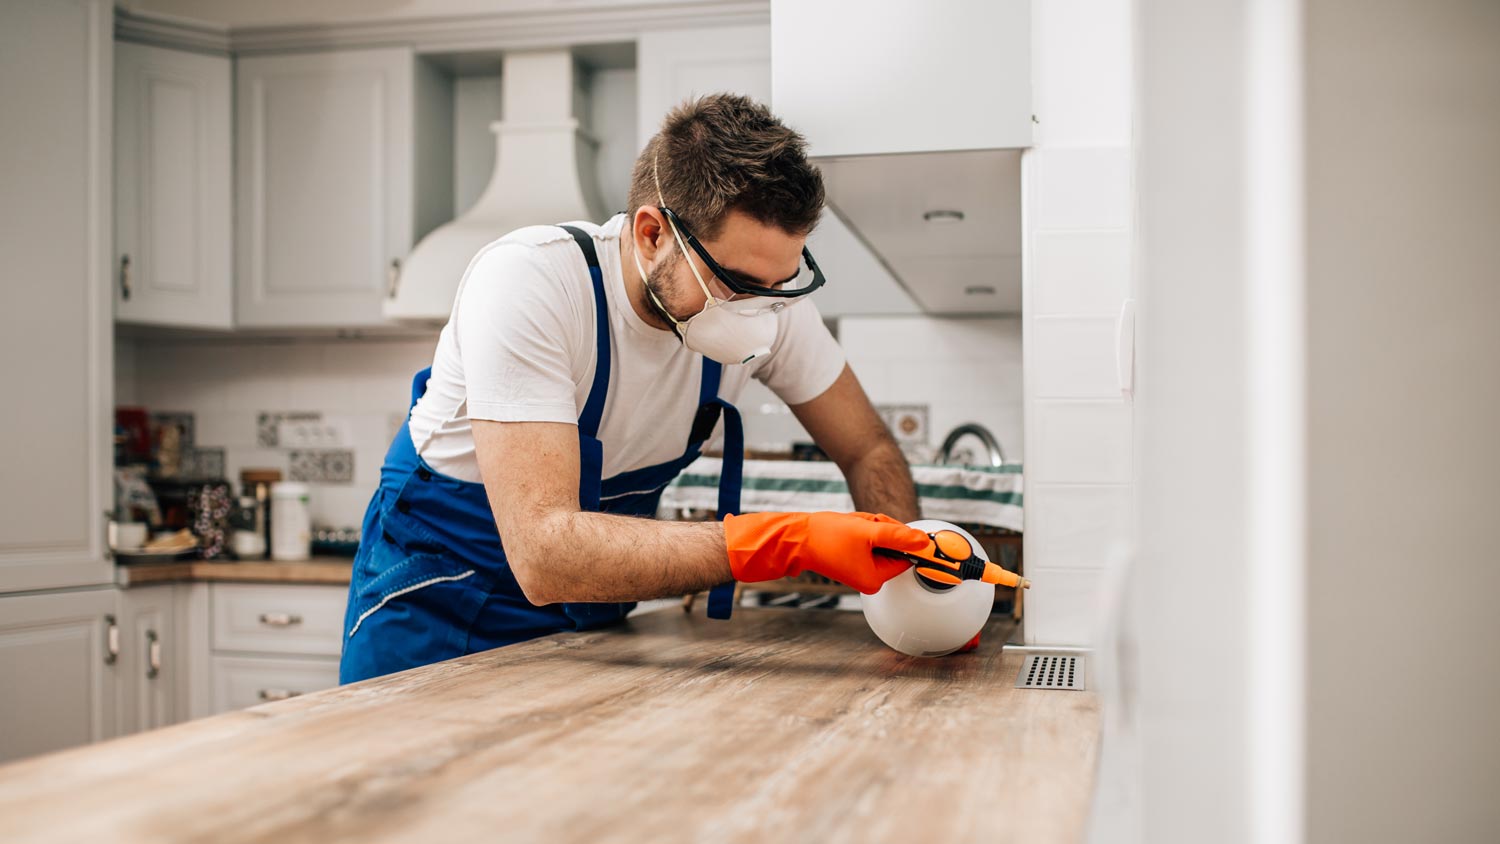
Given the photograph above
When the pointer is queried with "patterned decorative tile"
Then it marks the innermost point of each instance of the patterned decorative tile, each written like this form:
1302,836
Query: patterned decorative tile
205,463
323,466
268,425
908,422
338,466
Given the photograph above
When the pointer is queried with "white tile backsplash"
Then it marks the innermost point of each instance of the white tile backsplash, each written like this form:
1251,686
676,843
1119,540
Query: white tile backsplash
1073,358
1079,272
1078,526
964,370
1062,606
1080,188
358,386
1080,442
1080,72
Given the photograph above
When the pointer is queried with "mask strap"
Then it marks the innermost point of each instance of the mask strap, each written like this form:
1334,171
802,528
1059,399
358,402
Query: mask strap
681,246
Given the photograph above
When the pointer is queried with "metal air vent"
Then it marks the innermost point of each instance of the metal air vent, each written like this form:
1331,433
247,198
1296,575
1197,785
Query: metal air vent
1052,671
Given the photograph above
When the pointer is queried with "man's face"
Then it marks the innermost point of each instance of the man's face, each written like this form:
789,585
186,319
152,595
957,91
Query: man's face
757,253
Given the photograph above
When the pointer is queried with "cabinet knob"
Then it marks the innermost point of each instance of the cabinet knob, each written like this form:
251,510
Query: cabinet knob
153,655
280,619
393,278
125,278
278,694
111,640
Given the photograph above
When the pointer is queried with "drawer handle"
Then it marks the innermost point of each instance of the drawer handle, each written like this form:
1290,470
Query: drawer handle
111,640
278,694
125,278
393,278
153,655
280,619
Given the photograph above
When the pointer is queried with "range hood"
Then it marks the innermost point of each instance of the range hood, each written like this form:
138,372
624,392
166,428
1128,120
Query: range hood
946,225
544,173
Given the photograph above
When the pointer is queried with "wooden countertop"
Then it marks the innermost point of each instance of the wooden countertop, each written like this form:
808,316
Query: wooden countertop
780,725
327,570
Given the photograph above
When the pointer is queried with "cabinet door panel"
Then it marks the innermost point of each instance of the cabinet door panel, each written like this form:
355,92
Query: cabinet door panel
59,688
55,330
172,178
149,663
674,65
324,169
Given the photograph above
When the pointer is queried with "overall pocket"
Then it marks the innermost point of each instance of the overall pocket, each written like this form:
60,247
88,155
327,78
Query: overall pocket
423,592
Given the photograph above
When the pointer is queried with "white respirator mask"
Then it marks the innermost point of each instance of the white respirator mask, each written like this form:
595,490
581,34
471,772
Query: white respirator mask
726,330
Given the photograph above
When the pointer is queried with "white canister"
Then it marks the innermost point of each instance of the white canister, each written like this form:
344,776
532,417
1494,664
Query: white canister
291,521
917,618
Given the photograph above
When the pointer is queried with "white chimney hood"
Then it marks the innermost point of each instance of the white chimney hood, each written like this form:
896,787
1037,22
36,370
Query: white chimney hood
544,173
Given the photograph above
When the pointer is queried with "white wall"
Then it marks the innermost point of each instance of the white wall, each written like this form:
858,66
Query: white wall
1308,653
1403,359
1076,229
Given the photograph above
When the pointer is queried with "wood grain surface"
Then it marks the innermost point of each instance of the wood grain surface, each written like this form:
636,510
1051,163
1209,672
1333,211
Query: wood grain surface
324,570
780,725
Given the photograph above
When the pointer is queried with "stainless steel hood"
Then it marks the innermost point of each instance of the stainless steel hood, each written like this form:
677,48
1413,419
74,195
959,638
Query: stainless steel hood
946,224
544,173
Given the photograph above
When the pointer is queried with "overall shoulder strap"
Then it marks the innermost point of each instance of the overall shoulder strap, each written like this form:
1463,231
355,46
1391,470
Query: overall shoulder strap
593,408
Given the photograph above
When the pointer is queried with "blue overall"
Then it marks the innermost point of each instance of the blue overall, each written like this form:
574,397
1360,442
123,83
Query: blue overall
430,579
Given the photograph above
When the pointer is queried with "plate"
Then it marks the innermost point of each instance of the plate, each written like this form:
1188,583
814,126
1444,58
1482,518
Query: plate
143,556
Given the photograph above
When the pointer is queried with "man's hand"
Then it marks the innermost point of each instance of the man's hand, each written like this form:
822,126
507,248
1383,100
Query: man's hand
841,546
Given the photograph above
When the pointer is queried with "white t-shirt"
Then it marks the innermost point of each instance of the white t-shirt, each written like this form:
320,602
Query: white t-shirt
519,347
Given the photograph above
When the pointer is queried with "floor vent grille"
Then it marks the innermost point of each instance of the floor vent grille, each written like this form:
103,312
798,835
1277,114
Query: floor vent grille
1051,671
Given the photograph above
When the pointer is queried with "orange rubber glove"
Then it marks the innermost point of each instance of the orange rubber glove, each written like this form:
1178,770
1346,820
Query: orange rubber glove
765,546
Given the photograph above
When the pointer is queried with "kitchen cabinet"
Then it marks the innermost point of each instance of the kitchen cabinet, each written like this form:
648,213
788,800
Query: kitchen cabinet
270,642
241,681
677,64
151,670
60,656
173,263
56,335
328,148
898,77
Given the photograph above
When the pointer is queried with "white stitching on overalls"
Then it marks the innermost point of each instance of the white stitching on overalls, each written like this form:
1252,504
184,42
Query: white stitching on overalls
633,492
399,592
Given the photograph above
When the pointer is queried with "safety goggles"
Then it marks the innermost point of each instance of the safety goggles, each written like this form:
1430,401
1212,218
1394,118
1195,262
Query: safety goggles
807,278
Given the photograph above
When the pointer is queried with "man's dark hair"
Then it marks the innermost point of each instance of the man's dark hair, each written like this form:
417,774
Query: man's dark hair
725,152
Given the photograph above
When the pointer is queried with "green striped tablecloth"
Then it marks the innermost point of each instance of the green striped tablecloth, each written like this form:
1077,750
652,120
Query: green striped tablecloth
980,496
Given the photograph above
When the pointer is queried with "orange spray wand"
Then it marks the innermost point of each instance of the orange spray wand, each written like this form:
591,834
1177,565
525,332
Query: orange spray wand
951,560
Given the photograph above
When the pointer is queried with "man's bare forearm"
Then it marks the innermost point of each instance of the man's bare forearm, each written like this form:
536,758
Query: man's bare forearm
606,557
880,482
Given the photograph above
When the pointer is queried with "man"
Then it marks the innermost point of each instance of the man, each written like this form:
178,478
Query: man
581,369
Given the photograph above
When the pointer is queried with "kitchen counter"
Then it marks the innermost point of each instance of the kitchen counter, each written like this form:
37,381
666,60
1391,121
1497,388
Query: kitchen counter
780,725
326,570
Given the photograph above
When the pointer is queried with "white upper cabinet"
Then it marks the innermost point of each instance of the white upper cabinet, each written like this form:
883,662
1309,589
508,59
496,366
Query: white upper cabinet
55,328
172,188
893,76
677,64
324,180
